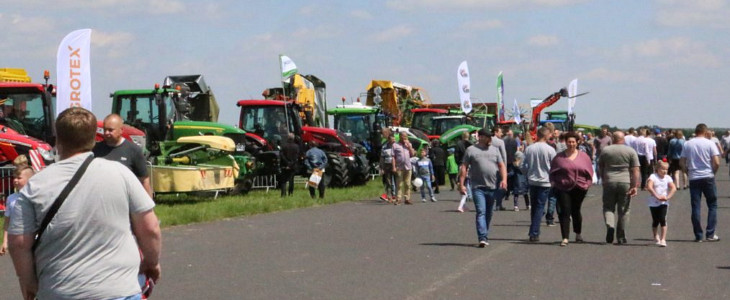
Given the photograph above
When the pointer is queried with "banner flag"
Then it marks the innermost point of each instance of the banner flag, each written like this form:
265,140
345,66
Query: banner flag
516,112
462,77
500,96
73,71
572,92
288,68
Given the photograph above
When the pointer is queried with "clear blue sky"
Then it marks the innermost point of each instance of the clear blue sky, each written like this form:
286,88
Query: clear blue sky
660,62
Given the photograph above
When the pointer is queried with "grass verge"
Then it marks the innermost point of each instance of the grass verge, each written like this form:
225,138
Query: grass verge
186,209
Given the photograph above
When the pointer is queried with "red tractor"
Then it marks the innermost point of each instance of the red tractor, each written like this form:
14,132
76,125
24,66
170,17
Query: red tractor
268,122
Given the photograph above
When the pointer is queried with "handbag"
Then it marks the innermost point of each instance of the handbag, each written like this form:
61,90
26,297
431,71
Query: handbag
315,179
60,199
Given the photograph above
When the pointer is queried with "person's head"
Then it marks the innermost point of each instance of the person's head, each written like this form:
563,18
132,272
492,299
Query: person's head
631,131
604,130
618,137
589,136
20,160
435,143
661,168
423,153
700,129
485,137
679,134
544,133
571,140
465,136
313,144
507,131
113,129
497,131
75,131
451,151
21,176
549,125
391,138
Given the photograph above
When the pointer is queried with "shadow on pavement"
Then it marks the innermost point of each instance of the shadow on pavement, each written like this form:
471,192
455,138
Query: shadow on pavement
474,245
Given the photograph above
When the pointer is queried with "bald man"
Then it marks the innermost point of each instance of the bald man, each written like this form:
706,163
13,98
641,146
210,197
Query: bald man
114,147
620,167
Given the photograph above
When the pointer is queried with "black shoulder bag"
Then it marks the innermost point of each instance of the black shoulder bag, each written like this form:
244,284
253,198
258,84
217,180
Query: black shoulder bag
59,200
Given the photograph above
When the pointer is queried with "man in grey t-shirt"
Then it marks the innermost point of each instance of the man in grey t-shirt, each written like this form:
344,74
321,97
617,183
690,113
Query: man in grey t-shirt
619,165
499,145
89,249
483,162
537,169
701,159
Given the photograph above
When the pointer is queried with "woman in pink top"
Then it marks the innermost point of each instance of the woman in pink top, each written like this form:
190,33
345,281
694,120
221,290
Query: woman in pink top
571,174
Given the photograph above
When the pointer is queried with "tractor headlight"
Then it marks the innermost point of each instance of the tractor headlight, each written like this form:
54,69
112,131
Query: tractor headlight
46,154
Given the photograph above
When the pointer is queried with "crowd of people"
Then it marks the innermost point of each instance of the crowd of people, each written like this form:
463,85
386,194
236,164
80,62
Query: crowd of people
554,172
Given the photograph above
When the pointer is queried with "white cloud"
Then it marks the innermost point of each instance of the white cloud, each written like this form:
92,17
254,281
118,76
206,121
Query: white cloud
543,40
318,32
361,14
475,4
25,24
392,33
482,25
679,13
112,44
603,74
677,50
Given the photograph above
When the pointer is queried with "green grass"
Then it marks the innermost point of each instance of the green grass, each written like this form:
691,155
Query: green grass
186,209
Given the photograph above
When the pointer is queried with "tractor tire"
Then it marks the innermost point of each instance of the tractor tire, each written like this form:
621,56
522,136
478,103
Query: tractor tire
360,170
337,172
242,187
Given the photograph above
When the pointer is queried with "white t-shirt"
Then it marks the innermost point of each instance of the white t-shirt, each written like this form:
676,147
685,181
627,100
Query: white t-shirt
9,202
661,187
699,153
629,140
640,145
650,146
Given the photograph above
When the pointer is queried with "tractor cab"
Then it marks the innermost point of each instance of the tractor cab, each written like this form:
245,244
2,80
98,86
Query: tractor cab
423,118
442,124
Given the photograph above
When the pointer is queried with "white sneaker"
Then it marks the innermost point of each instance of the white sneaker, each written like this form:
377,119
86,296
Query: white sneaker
433,199
662,243
423,200
517,208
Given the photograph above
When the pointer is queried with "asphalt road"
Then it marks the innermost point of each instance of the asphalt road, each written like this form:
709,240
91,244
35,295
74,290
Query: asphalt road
370,250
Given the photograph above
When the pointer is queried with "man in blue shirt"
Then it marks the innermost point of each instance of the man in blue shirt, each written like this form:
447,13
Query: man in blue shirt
315,158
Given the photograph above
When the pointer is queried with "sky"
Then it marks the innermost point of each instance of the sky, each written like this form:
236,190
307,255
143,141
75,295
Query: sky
651,62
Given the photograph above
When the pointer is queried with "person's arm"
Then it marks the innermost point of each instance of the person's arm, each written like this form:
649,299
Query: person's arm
672,189
503,174
430,168
650,188
462,178
147,187
146,229
324,161
715,163
635,178
4,248
21,251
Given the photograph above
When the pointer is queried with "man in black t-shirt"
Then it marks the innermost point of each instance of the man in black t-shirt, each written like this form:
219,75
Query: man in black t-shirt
114,147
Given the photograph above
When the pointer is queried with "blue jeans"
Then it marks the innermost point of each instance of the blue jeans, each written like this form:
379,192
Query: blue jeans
697,187
538,199
551,203
426,185
483,202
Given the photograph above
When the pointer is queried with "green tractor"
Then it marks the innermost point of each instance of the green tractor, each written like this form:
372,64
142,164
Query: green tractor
184,106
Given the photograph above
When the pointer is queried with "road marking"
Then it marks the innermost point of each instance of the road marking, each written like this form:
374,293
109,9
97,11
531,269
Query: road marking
453,277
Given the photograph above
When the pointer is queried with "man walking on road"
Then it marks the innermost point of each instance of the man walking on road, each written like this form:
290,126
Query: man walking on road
498,144
620,167
537,167
483,162
701,159
89,250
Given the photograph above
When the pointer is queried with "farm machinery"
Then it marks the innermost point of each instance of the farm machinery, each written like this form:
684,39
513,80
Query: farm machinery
183,139
299,108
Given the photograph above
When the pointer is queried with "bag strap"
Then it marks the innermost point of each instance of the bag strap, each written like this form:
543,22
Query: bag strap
60,199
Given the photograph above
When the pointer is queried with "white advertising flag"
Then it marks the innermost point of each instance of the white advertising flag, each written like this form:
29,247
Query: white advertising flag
572,91
462,77
516,113
73,71
288,68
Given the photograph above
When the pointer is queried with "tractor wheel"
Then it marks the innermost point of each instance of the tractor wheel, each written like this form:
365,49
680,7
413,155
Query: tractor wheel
360,170
337,171
242,187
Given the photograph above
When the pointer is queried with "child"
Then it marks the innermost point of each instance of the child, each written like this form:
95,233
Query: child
22,173
661,188
452,168
519,183
424,170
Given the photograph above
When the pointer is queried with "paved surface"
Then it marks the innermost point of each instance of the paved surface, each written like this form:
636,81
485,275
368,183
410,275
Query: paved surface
369,250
